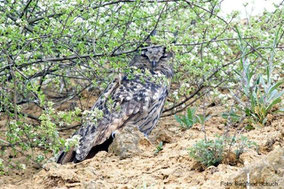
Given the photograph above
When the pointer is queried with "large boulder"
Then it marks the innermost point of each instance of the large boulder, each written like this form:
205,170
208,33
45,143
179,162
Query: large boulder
266,173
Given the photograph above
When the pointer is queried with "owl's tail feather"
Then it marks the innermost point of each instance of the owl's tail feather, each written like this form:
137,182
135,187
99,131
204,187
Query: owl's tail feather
65,157
101,138
70,156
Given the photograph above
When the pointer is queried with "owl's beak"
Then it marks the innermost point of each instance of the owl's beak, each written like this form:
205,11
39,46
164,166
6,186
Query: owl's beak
154,63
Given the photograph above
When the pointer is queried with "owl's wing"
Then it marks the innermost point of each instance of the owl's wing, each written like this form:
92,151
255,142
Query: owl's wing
130,100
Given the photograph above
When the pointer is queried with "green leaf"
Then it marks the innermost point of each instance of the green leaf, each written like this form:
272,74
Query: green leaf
178,119
275,101
190,113
275,86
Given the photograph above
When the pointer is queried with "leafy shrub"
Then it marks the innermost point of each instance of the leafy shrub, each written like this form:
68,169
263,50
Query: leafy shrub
208,152
212,152
36,142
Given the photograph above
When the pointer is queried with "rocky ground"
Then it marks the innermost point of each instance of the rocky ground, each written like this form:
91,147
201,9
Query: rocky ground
171,167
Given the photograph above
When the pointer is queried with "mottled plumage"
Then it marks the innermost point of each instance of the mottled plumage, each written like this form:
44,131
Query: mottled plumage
136,99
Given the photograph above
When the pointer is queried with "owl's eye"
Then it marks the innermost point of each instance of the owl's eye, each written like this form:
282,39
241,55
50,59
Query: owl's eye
144,55
165,56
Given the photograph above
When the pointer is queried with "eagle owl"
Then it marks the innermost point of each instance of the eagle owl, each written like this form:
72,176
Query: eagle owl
135,99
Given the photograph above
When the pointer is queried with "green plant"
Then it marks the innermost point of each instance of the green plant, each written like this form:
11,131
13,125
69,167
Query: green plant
2,172
159,148
47,134
231,115
263,100
241,144
22,138
208,152
261,93
212,152
190,118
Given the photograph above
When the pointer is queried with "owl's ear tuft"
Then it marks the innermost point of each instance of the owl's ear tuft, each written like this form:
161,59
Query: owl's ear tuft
168,55
143,52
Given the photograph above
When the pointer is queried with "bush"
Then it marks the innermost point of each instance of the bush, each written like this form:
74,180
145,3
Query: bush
36,142
208,152
212,152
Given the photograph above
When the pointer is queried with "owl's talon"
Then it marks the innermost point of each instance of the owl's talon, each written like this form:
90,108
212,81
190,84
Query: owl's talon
113,134
146,136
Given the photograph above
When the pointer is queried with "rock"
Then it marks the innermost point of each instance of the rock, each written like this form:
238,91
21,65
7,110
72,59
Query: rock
161,135
268,172
129,142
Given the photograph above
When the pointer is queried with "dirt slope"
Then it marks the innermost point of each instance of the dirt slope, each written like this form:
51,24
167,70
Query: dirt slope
172,167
